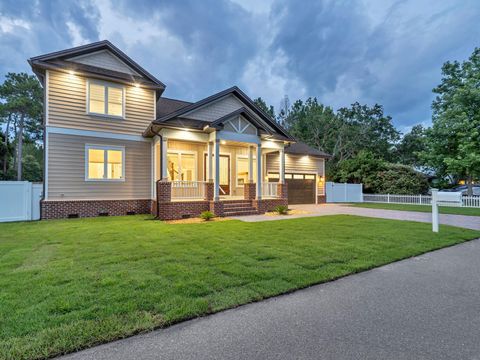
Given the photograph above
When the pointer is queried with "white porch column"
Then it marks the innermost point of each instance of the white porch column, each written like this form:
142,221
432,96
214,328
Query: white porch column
209,162
216,185
164,158
250,164
282,166
259,172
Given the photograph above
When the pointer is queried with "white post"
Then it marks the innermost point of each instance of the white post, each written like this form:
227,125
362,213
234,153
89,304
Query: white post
259,172
345,191
250,164
388,198
209,162
216,185
420,199
282,166
164,158
435,210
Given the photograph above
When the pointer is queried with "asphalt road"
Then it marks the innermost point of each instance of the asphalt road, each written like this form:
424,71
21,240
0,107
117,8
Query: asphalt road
426,307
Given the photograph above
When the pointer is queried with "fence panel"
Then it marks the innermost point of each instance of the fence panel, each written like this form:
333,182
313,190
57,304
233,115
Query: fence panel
343,192
19,201
467,201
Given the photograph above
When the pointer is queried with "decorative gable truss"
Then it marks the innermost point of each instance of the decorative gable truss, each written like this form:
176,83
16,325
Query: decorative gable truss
240,125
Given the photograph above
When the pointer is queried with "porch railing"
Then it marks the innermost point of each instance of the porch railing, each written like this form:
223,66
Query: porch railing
182,189
270,189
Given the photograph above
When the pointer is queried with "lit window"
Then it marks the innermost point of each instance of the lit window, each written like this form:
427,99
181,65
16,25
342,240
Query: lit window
181,166
242,170
273,176
297,176
104,163
309,177
105,99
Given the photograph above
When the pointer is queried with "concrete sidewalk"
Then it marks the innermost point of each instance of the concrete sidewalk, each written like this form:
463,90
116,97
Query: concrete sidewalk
422,308
468,222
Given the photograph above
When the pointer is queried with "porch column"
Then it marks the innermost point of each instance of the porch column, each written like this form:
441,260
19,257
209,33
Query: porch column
259,172
282,166
216,186
250,164
209,162
164,158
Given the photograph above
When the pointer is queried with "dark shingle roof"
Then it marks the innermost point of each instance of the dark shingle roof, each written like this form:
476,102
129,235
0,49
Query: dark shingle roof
166,106
300,148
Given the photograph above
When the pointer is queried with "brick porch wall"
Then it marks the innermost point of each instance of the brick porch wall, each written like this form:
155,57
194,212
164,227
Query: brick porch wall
249,191
265,205
182,209
63,209
322,199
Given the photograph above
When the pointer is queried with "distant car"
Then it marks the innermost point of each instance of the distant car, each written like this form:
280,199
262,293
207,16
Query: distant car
464,189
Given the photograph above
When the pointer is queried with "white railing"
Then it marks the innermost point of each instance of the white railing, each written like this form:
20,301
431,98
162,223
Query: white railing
270,189
182,189
467,201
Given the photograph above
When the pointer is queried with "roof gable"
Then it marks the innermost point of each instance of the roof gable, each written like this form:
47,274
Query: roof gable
90,58
104,59
240,100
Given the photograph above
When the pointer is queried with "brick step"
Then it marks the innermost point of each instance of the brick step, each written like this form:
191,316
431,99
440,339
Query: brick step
231,202
240,213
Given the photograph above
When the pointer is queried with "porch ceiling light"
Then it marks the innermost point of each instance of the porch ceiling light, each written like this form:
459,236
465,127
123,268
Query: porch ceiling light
223,142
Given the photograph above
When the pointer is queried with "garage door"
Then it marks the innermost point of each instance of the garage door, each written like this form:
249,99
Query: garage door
301,188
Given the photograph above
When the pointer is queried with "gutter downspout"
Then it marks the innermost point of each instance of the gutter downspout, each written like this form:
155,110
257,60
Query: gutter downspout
161,168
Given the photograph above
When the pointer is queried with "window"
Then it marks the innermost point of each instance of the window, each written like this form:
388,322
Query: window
242,170
104,163
309,177
181,166
105,98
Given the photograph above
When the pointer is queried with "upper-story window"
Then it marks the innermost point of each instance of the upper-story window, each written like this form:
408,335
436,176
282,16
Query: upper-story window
106,99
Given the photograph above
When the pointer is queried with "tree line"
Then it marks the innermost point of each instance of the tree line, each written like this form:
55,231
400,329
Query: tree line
21,135
367,148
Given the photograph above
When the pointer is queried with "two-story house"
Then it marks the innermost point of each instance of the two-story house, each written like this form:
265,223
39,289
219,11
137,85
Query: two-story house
115,146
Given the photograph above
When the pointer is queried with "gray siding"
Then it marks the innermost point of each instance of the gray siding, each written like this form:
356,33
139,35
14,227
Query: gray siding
106,60
216,110
66,170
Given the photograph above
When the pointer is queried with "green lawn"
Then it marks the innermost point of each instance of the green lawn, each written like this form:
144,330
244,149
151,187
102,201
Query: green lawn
70,284
421,208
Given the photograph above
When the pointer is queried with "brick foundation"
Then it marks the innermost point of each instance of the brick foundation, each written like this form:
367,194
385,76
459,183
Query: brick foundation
322,199
265,205
249,191
182,209
63,209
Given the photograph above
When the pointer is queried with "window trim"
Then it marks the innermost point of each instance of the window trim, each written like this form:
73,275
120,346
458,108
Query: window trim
236,169
186,152
106,85
105,162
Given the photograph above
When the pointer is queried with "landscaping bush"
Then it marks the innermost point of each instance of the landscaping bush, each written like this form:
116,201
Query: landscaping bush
207,215
281,210
401,179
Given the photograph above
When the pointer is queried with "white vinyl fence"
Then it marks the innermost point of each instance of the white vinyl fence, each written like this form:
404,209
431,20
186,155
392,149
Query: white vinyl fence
467,201
343,192
20,201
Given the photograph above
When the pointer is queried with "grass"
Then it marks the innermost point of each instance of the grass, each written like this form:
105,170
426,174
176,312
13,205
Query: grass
421,208
71,284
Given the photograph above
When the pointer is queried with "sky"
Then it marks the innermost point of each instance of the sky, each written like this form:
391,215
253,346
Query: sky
371,51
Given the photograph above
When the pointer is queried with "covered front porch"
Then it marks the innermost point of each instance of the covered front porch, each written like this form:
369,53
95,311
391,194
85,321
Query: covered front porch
215,171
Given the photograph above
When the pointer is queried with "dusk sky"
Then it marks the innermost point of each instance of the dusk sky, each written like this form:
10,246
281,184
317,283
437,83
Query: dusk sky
386,52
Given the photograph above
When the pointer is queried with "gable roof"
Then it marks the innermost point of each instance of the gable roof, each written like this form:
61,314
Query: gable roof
218,124
166,106
167,119
300,148
60,60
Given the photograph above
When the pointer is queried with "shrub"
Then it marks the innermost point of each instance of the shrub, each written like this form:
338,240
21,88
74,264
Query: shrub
281,210
207,215
401,179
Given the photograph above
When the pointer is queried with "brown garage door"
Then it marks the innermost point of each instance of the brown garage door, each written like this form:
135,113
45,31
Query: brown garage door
301,188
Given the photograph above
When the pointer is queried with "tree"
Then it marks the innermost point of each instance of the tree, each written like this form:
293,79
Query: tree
22,103
400,179
408,150
453,142
263,105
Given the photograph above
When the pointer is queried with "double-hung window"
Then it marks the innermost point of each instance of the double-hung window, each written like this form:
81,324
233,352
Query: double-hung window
104,163
105,99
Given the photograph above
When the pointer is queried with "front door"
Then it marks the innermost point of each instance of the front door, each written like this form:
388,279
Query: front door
224,173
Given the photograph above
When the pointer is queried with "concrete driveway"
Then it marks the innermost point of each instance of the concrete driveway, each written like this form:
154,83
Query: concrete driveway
421,308
468,222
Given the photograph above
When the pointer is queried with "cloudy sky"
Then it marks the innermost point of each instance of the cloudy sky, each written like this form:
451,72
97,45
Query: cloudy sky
372,51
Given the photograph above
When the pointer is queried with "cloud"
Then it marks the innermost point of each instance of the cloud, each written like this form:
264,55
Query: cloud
371,51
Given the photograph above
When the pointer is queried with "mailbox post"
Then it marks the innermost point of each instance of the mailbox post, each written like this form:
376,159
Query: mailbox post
435,210
446,199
